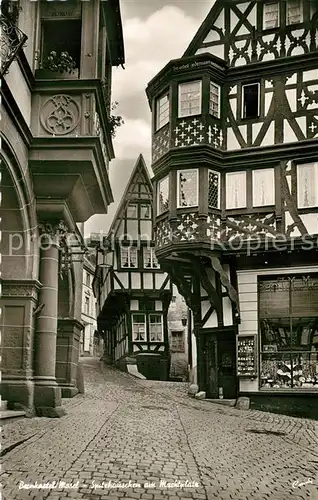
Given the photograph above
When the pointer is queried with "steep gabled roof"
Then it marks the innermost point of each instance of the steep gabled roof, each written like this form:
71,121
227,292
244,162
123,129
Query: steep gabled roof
139,172
204,28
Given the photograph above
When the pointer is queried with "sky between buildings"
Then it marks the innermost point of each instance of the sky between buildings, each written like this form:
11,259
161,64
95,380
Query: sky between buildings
155,31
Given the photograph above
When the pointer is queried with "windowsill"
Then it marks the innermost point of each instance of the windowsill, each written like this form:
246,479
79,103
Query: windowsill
190,116
160,128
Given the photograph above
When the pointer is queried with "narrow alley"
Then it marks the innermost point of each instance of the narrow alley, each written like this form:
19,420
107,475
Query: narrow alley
132,439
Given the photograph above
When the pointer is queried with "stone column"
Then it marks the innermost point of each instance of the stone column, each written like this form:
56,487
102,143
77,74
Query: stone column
47,393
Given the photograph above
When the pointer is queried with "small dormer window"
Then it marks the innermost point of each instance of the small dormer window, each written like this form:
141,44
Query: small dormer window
214,100
251,100
190,96
162,111
271,15
294,13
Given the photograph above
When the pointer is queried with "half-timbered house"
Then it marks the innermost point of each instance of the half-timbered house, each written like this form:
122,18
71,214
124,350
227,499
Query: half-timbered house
235,161
133,293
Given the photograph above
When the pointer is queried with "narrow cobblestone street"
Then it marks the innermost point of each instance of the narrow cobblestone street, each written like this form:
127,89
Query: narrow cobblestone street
152,433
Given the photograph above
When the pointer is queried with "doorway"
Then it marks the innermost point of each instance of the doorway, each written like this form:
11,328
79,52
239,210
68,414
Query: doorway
219,363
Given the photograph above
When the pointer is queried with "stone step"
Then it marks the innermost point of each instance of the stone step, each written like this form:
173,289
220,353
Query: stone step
224,402
9,415
3,405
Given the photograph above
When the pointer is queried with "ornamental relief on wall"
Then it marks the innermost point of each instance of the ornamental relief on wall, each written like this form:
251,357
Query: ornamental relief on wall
60,114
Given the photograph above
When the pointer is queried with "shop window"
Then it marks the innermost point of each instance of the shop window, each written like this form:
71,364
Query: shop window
150,259
162,111
250,100
214,100
188,188
289,332
177,341
163,195
214,189
190,98
138,327
294,13
155,328
132,211
307,185
128,256
236,190
271,15
263,187
62,36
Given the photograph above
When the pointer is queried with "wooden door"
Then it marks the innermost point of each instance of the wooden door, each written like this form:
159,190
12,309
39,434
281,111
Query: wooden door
227,366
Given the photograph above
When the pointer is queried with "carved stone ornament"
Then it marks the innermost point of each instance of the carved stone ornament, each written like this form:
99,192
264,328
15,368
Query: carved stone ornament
60,114
20,289
57,231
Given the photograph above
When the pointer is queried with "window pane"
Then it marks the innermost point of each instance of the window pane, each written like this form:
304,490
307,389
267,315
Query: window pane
188,188
294,12
155,328
162,111
307,185
189,99
150,259
214,100
145,211
271,15
276,370
236,190
132,211
263,187
128,256
138,327
163,195
214,189
251,100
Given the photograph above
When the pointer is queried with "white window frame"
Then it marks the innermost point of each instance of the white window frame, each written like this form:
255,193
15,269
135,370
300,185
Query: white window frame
162,122
130,250
301,15
162,334
219,100
180,113
159,212
178,187
153,258
278,15
144,325
229,200
258,100
148,205
270,185
87,305
315,183
219,188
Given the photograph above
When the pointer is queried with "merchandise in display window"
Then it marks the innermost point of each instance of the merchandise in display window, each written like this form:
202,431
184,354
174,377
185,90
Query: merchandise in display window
289,332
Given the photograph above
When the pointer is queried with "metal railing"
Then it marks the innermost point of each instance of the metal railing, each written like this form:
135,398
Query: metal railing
12,41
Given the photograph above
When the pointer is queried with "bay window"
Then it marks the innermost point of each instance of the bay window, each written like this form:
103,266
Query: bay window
188,188
163,195
236,190
162,111
288,322
263,187
307,185
190,95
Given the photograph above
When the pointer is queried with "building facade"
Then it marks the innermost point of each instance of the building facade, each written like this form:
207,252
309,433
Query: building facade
91,344
235,158
57,59
132,292
178,323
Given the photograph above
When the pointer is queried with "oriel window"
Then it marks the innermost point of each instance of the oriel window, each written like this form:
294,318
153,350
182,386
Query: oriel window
271,15
307,185
236,190
162,111
128,256
251,100
294,12
214,189
62,36
263,187
190,98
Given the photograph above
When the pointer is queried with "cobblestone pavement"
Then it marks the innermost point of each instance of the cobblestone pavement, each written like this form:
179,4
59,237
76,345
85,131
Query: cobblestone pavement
152,434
